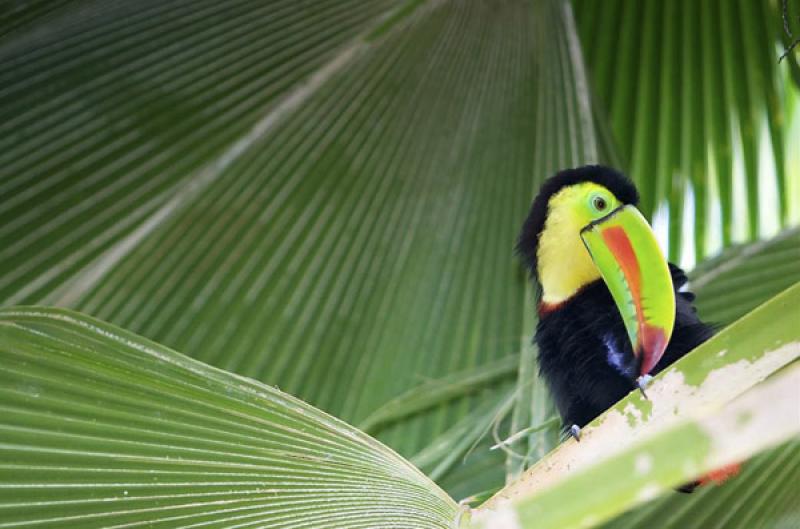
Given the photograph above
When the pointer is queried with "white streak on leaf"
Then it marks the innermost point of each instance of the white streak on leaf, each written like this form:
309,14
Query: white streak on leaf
648,492
505,517
671,399
643,463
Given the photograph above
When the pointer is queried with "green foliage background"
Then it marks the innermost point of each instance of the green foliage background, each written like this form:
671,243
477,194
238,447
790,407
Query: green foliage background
324,195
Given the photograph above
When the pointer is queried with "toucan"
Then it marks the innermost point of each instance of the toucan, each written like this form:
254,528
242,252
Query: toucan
612,311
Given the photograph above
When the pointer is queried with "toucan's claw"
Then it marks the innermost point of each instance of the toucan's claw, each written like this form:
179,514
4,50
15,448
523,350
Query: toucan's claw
575,432
642,382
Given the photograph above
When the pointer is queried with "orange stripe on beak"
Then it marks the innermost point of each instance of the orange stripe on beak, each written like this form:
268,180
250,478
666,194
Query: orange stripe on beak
651,340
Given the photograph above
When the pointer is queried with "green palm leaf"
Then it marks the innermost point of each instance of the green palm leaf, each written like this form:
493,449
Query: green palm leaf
665,428
300,239
702,112
102,428
324,195
731,284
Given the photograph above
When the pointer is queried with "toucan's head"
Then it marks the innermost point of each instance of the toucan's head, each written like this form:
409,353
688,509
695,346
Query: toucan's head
584,226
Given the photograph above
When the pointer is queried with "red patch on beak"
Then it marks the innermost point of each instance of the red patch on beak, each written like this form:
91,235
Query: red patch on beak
619,244
651,341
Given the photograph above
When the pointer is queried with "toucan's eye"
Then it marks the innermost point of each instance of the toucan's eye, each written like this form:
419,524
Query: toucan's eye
599,203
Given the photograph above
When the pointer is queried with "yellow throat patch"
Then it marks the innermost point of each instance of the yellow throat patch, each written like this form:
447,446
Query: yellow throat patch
564,264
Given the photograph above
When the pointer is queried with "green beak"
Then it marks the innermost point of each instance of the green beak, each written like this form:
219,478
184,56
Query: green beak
625,251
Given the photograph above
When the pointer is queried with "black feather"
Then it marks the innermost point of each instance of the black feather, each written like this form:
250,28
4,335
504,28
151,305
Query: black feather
573,340
576,336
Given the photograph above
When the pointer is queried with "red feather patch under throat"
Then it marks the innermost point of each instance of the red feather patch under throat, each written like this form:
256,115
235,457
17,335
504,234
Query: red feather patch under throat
720,475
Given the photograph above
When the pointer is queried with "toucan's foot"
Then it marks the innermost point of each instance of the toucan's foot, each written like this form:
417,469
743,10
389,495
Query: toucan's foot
642,382
575,432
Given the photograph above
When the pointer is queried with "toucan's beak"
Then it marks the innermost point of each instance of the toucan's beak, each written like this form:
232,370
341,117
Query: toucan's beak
625,251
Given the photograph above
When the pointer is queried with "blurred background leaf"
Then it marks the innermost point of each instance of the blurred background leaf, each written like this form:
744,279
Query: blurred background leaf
324,195
704,117
746,275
